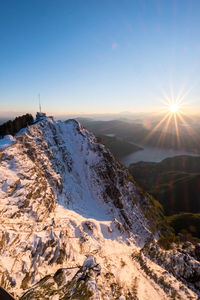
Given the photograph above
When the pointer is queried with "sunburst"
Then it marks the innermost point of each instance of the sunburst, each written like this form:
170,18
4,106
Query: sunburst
174,117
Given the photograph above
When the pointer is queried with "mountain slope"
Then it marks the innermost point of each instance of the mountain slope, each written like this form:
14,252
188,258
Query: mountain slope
174,181
72,224
119,147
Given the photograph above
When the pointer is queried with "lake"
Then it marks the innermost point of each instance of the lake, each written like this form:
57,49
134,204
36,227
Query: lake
152,154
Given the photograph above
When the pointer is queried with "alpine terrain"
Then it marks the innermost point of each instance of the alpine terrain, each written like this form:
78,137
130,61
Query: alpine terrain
75,225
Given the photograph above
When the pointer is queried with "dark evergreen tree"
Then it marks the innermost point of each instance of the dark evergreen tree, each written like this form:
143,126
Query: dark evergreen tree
12,127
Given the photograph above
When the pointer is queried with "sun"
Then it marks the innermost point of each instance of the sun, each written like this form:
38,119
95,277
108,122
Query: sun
173,108
172,123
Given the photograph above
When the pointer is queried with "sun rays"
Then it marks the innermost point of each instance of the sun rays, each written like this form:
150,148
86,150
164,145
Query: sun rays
173,130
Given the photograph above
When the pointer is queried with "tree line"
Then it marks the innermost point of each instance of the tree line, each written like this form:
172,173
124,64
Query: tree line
12,127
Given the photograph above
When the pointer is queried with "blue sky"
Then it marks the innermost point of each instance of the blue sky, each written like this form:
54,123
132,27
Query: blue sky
98,56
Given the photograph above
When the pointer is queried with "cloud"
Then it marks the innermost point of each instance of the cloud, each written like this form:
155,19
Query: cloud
114,46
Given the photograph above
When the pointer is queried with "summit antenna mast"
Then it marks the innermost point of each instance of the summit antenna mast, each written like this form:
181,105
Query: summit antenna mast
39,103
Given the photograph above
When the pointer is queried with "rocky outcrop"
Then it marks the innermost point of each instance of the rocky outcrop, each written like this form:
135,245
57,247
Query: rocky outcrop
68,283
181,262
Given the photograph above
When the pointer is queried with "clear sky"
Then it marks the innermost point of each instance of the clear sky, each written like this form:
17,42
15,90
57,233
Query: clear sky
96,56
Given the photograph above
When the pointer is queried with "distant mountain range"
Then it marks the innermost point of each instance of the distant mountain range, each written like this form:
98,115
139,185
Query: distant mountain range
140,134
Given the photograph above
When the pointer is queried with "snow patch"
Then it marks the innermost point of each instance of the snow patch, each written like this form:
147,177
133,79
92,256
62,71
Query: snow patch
7,141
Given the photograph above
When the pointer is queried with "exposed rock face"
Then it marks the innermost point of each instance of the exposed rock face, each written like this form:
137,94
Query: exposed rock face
197,251
63,198
180,262
75,283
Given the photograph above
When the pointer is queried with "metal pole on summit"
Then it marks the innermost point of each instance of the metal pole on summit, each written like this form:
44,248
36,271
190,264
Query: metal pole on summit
39,103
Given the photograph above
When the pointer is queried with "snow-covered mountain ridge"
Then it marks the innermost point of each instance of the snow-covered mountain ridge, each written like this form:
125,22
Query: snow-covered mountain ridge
73,225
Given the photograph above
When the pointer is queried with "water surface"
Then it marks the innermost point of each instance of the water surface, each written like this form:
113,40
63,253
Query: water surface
152,154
